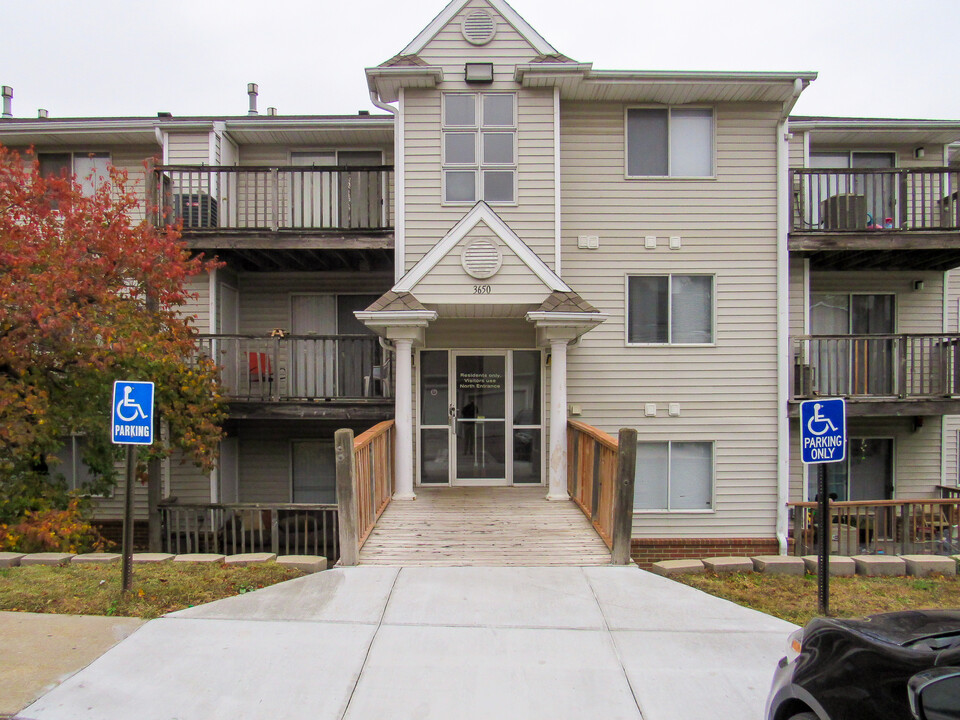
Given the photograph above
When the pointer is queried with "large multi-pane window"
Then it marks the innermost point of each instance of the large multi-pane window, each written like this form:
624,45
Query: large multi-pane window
670,142
670,309
479,147
90,170
674,476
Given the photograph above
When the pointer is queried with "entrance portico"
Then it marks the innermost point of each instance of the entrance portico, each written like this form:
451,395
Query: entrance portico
480,326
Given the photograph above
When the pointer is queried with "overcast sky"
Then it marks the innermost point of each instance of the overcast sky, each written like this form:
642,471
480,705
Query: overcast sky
876,58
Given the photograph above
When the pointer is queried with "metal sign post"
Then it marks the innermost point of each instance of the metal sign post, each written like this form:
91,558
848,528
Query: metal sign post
823,439
131,424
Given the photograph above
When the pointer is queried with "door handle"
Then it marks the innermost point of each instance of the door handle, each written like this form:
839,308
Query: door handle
452,412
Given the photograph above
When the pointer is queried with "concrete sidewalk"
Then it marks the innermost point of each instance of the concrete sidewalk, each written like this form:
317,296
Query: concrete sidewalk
466,642
40,650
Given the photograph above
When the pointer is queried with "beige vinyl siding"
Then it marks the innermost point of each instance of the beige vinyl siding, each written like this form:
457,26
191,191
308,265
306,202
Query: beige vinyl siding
265,456
111,508
797,154
265,297
797,314
448,282
727,393
188,483
951,450
916,454
197,306
428,221
918,311
188,148
933,155
450,50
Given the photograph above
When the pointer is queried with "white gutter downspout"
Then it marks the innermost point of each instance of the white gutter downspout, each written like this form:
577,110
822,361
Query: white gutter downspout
783,325
398,180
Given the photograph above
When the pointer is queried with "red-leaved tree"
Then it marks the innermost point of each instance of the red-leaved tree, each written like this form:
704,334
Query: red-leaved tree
89,295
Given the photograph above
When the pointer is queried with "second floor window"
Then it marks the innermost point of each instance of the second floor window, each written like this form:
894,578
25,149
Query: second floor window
479,147
670,142
90,170
670,309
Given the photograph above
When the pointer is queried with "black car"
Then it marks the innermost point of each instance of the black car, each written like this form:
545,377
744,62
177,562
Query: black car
857,669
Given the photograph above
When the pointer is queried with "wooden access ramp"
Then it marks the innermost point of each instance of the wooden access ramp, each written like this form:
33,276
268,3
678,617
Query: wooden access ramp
483,526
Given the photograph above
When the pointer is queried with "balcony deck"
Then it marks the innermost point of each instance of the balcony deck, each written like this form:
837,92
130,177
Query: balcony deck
337,377
281,217
861,219
905,374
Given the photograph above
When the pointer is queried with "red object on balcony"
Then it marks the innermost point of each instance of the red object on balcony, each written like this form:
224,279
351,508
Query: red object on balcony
260,368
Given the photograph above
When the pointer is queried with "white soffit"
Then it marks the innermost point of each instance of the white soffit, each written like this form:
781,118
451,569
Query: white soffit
481,212
581,82
507,12
870,131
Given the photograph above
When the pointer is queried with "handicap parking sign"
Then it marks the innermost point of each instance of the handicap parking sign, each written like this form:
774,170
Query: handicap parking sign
132,422
823,431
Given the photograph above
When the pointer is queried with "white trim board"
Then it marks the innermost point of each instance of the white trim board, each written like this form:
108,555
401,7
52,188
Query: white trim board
481,212
507,12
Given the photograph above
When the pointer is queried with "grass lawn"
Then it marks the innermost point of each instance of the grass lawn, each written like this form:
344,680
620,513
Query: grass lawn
157,588
794,598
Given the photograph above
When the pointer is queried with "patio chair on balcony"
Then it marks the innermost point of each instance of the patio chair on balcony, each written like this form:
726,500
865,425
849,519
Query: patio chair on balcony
378,374
260,372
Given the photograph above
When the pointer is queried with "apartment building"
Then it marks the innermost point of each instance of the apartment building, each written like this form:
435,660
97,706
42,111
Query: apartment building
521,239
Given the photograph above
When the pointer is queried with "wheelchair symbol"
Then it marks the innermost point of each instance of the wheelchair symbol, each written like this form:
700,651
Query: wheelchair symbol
128,404
825,424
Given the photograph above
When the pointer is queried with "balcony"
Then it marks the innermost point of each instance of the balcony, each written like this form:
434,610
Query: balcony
289,208
880,374
860,219
303,376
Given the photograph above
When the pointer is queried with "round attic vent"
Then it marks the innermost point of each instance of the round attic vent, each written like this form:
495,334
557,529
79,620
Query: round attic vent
479,27
481,258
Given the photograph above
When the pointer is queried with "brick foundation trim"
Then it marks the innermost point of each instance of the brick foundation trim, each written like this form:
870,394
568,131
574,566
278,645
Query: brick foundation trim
113,530
647,551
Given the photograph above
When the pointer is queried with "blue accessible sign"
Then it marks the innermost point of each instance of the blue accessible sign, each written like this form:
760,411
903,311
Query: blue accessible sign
823,431
132,422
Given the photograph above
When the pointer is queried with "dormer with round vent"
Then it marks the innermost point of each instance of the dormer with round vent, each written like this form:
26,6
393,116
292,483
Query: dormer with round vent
482,258
479,27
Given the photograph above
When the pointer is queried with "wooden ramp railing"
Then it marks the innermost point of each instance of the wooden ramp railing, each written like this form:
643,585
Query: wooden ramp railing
365,484
600,479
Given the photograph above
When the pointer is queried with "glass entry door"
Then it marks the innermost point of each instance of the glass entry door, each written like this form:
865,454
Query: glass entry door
480,418
479,412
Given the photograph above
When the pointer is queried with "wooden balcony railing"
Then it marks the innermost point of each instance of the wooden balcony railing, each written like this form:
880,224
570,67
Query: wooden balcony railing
298,367
866,199
891,527
900,366
365,484
291,198
600,480
232,528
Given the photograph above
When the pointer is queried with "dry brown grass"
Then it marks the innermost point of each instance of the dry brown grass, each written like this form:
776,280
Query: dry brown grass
794,598
157,589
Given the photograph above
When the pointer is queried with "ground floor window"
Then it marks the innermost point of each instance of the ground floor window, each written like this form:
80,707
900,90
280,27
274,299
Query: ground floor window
866,474
674,476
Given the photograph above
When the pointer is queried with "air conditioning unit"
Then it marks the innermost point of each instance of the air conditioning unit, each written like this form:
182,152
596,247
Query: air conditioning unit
198,210
844,212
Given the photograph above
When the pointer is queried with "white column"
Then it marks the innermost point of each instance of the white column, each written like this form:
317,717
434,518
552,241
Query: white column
558,421
404,421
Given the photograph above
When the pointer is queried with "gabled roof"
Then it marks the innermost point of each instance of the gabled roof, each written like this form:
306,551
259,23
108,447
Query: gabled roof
392,301
481,212
508,13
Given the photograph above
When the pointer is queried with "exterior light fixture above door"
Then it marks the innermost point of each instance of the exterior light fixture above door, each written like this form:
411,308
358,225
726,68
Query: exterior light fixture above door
478,73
